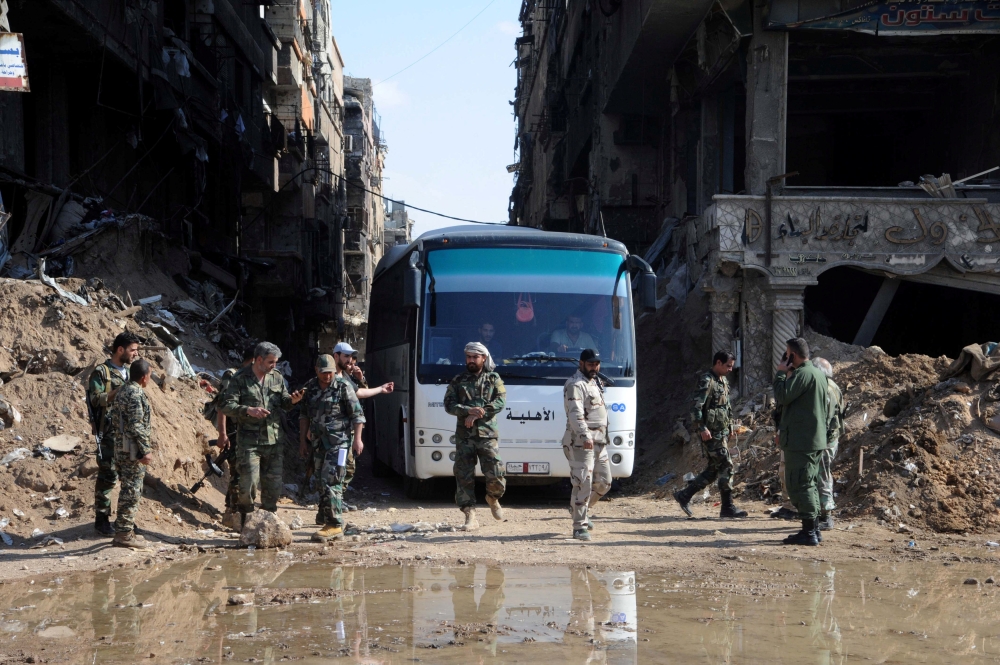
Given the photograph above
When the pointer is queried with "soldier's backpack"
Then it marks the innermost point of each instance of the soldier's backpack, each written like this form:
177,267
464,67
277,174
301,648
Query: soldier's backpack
96,415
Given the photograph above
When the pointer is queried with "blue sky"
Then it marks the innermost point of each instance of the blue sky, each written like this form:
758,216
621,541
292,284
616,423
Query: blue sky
447,120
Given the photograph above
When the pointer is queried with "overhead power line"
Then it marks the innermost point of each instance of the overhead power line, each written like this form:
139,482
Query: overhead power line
435,49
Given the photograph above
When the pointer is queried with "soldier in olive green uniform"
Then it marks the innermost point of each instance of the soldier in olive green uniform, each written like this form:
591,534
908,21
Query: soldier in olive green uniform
253,398
226,429
800,389
131,423
835,409
711,421
333,419
105,381
475,397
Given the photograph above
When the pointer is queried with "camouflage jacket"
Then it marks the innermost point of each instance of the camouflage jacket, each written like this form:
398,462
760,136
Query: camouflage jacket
710,405
130,418
586,412
227,377
835,408
105,378
467,390
332,412
243,392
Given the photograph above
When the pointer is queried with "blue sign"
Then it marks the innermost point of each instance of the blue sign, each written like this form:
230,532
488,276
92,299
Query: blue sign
618,408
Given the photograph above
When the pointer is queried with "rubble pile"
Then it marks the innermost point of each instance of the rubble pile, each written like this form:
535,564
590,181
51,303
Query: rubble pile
918,451
50,340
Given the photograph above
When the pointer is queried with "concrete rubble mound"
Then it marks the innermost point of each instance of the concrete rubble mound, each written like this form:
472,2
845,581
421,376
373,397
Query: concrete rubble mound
265,530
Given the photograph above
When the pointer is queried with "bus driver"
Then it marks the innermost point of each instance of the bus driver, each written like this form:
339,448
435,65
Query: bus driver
572,337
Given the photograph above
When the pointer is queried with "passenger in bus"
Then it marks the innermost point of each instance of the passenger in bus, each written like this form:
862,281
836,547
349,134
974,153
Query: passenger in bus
572,337
487,337
475,397
585,441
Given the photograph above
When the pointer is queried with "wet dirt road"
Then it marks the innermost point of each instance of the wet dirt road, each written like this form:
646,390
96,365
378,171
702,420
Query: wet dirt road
748,611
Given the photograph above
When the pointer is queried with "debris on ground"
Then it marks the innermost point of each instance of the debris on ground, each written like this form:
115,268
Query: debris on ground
263,529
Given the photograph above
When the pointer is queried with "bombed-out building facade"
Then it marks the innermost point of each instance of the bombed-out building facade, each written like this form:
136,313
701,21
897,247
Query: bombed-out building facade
805,162
224,122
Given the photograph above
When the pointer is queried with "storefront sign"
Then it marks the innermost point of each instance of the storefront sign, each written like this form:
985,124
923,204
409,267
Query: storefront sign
13,63
904,17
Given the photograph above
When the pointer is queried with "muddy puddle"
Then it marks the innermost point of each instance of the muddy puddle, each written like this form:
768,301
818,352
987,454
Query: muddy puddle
747,611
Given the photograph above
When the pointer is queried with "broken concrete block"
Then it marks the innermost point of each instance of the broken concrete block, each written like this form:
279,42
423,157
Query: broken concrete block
87,468
264,529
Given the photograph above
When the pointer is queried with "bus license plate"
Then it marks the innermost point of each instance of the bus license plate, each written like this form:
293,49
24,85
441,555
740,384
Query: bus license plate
528,467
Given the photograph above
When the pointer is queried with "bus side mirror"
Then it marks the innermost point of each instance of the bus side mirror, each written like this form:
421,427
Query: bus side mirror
412,283
647,290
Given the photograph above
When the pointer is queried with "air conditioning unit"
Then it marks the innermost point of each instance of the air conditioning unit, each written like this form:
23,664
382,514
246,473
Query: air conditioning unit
349,143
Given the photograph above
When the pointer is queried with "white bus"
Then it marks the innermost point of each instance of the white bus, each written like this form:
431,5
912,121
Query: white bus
545,296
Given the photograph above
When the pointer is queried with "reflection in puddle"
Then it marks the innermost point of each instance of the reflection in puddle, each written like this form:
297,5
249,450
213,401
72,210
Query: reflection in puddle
783,612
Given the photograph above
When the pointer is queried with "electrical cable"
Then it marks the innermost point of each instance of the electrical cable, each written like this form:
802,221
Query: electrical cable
364,189
488,5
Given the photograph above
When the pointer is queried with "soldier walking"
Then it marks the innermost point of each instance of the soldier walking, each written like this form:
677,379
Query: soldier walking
131,423
226,429
835,408
332,419
252,399
711,421
800,389
105,382
475,397
585,441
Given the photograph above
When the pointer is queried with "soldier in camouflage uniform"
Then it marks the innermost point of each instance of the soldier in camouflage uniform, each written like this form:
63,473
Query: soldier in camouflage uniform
711,421
105,382
475,397
333,420
226,429
130,420
252,399
835,409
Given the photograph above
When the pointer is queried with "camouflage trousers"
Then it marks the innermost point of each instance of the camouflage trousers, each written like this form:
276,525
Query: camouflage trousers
720,465
331,500
825,481
590,473
468,451
131,475
260,467
107,476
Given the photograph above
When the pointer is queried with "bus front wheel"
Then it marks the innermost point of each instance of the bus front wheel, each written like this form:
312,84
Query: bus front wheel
417,489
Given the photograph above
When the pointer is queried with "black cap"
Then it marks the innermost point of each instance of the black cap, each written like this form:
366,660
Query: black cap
590,355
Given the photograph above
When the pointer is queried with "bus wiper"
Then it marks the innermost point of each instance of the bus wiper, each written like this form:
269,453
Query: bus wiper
568,360
507,375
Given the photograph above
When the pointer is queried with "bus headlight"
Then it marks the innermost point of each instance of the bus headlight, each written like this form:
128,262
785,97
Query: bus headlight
631,443
451,456
616,458
421,440
618,441
451,439
436,455
436,438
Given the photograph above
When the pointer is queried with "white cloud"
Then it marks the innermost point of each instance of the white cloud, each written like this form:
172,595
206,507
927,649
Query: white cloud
389,94
509,28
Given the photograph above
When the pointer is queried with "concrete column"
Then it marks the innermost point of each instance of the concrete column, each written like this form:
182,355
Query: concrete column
786,304
708,153
767,103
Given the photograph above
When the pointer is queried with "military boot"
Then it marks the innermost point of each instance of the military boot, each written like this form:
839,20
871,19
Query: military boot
471,523
327,532
581,534
683,497
807,536
728,509
495,507
825,522
243,518
128,539
102,524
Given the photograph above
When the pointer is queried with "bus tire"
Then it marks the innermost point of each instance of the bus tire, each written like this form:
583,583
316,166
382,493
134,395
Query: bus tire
417,489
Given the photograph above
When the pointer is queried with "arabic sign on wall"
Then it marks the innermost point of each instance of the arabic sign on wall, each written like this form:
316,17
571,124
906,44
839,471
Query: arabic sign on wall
904,17
903,236
13,63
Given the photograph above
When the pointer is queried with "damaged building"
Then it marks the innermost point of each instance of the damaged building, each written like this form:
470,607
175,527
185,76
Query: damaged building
222,121
774,153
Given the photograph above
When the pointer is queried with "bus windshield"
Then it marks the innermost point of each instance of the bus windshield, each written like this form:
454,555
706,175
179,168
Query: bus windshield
534,309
